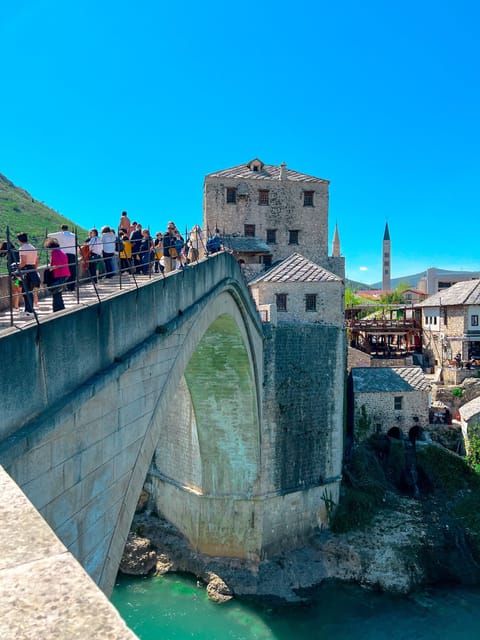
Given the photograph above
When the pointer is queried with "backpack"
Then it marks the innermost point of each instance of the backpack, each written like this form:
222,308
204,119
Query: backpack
213,244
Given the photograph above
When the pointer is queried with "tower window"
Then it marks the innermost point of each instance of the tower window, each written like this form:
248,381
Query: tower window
281,301
311,302
293,236
397,403
263,197
308,198
271,236
231,195
249,230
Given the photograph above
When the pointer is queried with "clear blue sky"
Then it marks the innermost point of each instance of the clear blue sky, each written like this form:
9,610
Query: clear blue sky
106,106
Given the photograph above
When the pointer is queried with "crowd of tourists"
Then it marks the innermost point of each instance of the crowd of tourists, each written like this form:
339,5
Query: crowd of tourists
129,248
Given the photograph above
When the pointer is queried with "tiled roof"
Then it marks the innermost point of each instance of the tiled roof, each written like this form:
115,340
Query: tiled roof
268,171
388,379
296,268
466,292
242,244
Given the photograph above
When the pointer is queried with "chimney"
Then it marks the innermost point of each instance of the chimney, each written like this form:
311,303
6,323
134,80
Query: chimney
283,171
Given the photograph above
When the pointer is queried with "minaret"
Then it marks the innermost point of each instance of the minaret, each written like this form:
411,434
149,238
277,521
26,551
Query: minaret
336,243
386,284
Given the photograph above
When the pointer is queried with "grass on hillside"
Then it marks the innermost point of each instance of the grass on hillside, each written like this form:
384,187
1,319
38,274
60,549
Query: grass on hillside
20,212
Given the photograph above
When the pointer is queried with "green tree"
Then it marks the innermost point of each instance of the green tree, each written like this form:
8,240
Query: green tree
395,297
473,455
351,300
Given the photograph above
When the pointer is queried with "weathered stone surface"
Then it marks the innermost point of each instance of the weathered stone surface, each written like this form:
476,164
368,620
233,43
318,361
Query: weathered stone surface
471,389
44,592
404,548
218,590
138,557
142,501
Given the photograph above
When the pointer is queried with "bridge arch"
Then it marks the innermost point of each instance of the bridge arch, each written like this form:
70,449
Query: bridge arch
74,459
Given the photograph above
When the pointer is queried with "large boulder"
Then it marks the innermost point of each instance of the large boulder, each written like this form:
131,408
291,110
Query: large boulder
138,556
218,590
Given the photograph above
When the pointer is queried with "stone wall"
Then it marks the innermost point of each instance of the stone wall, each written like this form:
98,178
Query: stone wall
380,410
44,592
300,444
329,309
302,437
284,212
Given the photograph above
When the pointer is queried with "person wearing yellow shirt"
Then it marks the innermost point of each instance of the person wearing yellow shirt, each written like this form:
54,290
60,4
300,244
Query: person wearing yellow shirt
125,253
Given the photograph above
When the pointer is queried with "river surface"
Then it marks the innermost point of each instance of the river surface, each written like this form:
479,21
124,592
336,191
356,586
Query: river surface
173,607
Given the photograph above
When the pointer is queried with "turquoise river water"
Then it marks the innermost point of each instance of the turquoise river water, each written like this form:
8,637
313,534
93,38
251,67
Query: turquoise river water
173,607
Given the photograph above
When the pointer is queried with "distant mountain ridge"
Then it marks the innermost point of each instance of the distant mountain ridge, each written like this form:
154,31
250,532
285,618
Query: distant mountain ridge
413,280
19,211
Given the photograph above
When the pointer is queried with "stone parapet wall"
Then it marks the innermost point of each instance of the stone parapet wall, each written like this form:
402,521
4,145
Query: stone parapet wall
44,592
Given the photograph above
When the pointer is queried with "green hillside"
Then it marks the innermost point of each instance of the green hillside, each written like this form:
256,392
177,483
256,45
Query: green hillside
21,212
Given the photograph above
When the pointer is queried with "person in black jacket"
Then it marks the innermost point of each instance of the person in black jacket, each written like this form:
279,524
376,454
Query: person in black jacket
136,240
169,250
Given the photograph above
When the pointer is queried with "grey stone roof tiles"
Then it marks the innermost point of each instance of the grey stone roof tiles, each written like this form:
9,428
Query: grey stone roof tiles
242,244
268,171
388,379
296,268
460,293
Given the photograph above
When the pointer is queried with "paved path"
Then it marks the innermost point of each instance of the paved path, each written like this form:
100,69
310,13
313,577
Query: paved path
87,295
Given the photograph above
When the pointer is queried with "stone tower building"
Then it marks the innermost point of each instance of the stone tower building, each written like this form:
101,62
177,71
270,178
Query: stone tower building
386,284
283,208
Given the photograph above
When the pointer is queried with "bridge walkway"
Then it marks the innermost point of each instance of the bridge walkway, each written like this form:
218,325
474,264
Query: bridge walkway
88,293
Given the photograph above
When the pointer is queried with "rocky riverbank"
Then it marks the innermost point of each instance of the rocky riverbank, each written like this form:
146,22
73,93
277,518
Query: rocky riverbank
397,544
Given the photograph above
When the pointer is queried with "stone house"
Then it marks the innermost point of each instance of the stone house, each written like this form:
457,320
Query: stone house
392,400
451,324
299,290
285,209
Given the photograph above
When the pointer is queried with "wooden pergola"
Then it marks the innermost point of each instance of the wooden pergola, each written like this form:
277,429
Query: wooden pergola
394,330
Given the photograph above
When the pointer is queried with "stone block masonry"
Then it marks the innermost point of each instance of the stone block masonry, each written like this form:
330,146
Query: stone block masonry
39,576
302,439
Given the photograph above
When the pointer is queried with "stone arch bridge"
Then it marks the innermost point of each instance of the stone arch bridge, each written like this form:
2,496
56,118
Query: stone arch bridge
171,371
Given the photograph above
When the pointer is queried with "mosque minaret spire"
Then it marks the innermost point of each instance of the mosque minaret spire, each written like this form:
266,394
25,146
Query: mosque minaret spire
336,243
386,282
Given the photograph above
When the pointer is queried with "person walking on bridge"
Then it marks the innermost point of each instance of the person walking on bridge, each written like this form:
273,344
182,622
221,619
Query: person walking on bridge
169,250
67,243
60,272
28,269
